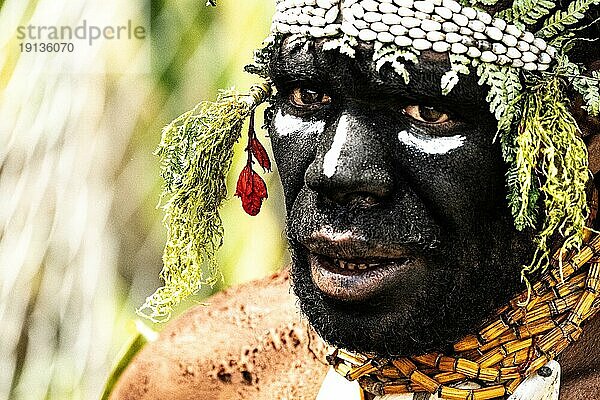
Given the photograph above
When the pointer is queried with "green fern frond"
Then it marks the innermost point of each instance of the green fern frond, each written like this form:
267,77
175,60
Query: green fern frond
506,14
563,42
589,88
401,70
345,44
561,20
527,11
196,150
484,2
490,75
520,149
392,54
448,81
504,93
459,64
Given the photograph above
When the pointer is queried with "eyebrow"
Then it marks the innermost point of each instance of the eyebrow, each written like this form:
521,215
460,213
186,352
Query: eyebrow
308,62
291,63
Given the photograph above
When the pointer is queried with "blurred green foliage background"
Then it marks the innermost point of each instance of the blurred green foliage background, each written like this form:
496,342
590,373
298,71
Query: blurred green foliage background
80,236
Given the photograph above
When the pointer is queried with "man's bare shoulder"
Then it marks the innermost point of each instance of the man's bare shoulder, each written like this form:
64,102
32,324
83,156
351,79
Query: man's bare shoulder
250,342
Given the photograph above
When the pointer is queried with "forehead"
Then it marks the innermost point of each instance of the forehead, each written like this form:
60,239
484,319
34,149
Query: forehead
308,61
434,44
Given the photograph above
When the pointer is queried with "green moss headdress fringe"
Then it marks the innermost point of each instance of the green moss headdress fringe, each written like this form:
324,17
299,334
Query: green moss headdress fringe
548,158
196,152
545,153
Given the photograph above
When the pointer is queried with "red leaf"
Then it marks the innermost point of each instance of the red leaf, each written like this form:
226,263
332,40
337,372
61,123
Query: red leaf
260,187
252,190
244,183
260,153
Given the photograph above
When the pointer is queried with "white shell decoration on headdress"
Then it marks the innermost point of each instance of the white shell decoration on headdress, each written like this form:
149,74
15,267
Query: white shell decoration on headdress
439,25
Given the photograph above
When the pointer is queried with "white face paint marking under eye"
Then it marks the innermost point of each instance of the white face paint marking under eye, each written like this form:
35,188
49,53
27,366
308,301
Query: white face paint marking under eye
431,145
331,158
335,235
289,125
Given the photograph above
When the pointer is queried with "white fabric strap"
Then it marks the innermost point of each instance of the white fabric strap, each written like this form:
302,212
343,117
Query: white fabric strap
543,385
336,387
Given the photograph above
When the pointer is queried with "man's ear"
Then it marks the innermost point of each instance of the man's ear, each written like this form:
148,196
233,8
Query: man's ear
590,127
593,146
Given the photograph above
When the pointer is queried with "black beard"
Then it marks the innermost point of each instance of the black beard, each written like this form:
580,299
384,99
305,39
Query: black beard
463,290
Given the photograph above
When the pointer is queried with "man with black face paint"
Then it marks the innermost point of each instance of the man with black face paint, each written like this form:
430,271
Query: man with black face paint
395,204
407,256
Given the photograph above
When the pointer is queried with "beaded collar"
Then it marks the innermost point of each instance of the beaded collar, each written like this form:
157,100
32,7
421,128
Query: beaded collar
522,337
544,385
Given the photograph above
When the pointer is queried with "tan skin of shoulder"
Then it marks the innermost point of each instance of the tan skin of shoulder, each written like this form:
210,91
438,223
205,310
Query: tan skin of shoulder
251,343
248,343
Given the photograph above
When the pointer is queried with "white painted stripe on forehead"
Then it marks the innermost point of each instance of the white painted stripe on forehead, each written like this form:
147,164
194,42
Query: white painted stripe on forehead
287,125
431,145
330,161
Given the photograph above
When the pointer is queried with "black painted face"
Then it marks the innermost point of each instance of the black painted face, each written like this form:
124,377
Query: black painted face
397,220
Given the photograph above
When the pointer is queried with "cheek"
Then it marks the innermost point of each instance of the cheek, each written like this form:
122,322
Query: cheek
461,176
294,141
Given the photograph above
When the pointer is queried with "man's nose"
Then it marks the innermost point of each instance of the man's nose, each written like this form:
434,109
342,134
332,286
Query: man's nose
353,166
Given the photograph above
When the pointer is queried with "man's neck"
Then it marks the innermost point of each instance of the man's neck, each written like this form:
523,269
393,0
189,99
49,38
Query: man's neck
580,365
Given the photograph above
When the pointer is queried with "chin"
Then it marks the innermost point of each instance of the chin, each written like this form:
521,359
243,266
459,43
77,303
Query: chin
405,302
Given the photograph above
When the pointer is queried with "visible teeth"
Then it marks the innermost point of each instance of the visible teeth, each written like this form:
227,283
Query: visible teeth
352,266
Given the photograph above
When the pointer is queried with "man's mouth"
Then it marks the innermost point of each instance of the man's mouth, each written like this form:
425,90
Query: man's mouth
346,266
355,279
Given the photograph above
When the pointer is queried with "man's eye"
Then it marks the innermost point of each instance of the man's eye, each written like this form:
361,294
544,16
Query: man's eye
426,114
308,98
